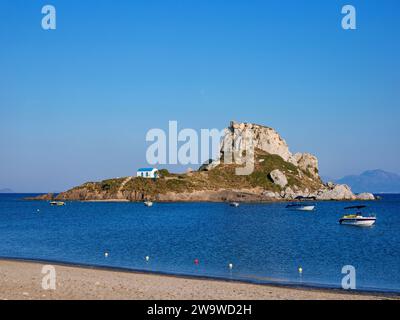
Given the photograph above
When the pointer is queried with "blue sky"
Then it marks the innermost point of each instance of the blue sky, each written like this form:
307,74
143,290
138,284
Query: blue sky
76,102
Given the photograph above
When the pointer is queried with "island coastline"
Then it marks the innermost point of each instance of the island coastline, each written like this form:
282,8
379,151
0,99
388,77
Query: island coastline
277,175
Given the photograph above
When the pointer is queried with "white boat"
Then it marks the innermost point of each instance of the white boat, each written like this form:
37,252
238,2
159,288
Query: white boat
234,204
148,203
301,207
357,219
57,203
306,208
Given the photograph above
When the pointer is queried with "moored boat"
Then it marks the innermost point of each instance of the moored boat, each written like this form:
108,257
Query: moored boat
57,203
357,219
301,207
234,204
148,203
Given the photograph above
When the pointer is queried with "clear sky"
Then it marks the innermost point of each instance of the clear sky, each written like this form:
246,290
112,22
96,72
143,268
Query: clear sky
76,102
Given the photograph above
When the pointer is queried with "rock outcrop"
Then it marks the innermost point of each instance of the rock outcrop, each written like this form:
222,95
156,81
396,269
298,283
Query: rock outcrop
279,178
241,137
43,197
209,165
365,196
337,192
308,163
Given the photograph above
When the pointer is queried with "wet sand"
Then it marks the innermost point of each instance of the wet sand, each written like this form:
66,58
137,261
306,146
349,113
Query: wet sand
23,281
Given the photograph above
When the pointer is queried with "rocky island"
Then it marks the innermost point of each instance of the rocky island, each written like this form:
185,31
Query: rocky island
278,175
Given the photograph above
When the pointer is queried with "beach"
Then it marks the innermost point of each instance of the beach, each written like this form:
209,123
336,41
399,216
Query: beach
21,280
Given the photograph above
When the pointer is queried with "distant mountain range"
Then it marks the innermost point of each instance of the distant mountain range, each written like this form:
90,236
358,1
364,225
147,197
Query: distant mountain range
375,181
6,190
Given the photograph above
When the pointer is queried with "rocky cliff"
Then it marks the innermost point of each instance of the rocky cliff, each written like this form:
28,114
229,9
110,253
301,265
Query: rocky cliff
242,137
276,175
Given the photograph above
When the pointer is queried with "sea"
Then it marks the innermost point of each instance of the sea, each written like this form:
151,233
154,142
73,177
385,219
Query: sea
258,243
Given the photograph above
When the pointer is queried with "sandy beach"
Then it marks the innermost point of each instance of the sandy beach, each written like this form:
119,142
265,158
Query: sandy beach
23,281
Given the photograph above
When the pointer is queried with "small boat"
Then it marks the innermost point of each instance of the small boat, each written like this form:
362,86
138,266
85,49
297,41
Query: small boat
57,203
148,203
357,219
301,207
301,198
234,204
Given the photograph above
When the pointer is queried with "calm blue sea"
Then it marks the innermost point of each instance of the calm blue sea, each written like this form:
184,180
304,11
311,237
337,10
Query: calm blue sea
264,242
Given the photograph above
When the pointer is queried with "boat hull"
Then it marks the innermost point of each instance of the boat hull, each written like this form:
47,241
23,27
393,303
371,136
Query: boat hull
301,208
366,222
306,208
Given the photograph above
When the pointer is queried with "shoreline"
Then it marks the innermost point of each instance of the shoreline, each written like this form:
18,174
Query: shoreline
21,279
269,201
